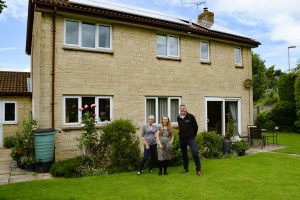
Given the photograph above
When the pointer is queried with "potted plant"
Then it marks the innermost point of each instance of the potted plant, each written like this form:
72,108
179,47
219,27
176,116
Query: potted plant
239,147
226,145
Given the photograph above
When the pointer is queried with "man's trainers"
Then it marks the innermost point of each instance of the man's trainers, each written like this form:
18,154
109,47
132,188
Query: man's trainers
138,173
199,173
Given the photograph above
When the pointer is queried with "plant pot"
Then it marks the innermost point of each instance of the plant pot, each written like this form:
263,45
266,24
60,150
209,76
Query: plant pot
30,167
241,153
226,146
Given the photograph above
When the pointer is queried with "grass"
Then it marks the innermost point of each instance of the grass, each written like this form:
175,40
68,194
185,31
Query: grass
291,141
258,176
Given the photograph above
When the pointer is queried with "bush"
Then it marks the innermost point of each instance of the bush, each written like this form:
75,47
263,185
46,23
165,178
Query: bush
9,142
121,150
177,160
239,146
264,120
297,101
66,168
209,144
284,115
286,87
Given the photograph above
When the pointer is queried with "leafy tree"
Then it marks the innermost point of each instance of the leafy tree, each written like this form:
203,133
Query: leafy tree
2,5
260,81
272,76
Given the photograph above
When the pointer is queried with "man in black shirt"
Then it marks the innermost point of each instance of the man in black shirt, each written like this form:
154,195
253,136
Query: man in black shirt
188,129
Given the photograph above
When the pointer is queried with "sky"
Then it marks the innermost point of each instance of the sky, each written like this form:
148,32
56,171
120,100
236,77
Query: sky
274,23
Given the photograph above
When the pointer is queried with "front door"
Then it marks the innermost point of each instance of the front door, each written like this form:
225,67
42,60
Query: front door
214,116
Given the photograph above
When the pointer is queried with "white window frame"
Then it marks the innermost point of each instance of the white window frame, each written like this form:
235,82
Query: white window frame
168,47
16,112
110,110
156,108
208,53
80,113
235,58
97,25
64,110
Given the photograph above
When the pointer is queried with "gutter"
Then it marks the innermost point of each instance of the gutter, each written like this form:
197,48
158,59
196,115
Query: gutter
53,68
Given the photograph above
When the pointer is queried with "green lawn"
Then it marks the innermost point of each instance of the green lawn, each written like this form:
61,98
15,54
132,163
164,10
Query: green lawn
258,176
291,141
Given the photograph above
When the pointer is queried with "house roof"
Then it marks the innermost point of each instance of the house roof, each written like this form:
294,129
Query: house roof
14,84
131,15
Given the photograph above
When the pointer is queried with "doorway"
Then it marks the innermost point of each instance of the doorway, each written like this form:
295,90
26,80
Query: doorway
223,115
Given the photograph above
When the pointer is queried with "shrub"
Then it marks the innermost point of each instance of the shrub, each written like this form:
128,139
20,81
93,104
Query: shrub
120,146
239,146
286,87
297,101
9,142
209,144
177,160
284,115
265,120
66,168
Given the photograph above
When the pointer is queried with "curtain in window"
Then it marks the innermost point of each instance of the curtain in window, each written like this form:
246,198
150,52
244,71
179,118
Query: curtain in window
88,35
161,45
173,46
174,109
204,50
72,32
162,108
104,36
150,107
233,114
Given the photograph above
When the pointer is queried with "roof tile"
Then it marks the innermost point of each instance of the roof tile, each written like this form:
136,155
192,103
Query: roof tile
14,83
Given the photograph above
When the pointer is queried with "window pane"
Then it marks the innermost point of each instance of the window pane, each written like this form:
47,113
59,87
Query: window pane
161,45
238,56
88,35
204,50
150,107
10,110
173,45
104,36
104,110
174,109
71,110
88,101
162,108
72,32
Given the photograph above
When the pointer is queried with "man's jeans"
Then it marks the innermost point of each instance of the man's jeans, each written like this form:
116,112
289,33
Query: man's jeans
193,145
152,151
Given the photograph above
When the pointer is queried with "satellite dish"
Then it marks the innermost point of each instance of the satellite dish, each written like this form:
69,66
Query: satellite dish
248,83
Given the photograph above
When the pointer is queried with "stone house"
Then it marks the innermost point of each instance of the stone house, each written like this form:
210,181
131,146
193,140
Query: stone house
131,63
15,102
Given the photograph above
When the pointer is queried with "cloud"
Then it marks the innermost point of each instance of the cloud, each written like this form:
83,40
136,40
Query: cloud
2,49
16,9
281,19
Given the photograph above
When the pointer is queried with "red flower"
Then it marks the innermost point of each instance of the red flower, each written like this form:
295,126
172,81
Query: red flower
20,150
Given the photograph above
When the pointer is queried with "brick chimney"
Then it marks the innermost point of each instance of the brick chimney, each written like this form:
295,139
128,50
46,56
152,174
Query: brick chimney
206,18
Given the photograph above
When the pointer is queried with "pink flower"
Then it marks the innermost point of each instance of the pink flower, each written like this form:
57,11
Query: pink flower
81,109
86,106
93,105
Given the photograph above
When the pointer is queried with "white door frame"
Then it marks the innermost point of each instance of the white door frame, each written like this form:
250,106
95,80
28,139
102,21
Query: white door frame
1,123
223,100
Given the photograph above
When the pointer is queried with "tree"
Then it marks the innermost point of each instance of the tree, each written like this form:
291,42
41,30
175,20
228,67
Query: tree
272,76
2,5
260,81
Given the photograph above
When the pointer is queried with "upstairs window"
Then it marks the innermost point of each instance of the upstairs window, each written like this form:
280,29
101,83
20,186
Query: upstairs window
167,46
88,35
204,51
238,56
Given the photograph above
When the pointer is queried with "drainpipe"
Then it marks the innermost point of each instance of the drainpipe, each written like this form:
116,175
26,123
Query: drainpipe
53,68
